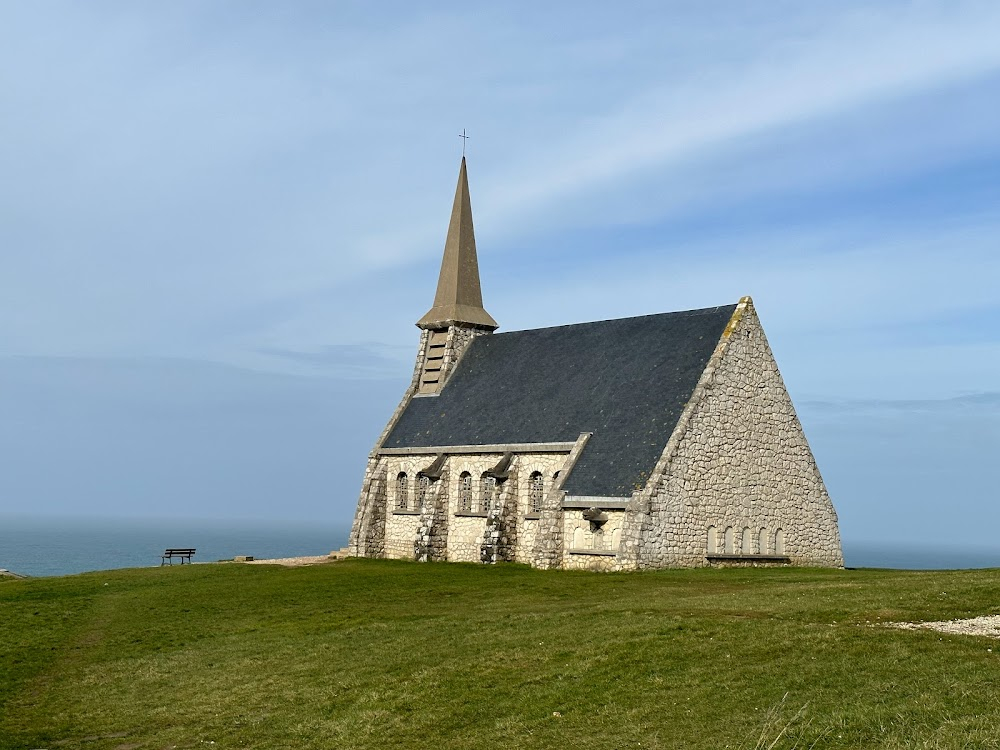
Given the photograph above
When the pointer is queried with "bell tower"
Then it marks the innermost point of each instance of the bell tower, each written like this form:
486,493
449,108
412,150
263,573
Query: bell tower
457,315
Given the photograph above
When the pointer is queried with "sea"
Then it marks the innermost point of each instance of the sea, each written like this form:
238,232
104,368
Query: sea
44,546
37,546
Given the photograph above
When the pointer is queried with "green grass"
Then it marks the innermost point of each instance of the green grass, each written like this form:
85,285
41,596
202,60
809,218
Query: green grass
380,654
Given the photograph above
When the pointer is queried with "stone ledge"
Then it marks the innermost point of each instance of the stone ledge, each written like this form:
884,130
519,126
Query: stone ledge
532,516
600,552
748,558
453,450
470,514
603,503
406,512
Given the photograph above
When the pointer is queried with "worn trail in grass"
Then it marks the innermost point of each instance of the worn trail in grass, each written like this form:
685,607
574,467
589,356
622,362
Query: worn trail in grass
380,654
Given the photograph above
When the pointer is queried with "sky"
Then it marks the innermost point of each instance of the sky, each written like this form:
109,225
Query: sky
220,220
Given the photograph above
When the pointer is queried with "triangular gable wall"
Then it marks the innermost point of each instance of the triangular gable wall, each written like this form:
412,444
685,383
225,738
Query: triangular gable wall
738,460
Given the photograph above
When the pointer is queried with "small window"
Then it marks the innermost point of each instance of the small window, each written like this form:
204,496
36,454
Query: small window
536,489
578,538
730,541
598,537
746,546
713,540
762,541
465,492
779,542
487,492
402,491
423,484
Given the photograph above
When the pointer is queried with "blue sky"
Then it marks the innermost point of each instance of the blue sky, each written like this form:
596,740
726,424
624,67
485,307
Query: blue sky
219,221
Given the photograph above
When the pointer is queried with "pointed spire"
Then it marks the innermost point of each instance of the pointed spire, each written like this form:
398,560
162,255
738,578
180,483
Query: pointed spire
459,298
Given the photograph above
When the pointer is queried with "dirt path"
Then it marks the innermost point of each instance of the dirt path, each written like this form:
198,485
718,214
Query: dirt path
294,562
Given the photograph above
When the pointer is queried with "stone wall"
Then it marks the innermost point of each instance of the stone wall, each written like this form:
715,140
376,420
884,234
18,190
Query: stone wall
547,550
458,341
738,460
400,531
587,545
403,518
468,526
431,542
504,525
367,537
463,535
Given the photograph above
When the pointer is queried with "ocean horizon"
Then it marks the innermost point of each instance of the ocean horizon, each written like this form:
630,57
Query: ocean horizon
46,546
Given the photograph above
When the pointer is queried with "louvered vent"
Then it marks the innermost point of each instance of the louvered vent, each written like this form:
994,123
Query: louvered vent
430,378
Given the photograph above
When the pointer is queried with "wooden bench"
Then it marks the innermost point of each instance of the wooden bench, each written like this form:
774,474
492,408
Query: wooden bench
171,553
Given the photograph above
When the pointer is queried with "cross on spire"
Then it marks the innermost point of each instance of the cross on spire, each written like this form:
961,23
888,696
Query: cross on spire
464,138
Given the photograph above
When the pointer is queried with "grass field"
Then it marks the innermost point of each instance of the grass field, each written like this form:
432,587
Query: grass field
381,654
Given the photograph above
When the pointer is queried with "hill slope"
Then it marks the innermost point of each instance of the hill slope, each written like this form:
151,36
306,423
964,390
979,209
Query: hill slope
380,654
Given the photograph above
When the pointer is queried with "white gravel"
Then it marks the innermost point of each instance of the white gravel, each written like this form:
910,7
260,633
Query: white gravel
293,561
988,625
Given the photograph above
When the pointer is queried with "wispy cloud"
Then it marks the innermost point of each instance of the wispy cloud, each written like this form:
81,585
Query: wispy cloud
860,59
268,185
177,165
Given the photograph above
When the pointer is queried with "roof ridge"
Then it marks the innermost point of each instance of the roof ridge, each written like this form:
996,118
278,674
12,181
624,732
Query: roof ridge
677,313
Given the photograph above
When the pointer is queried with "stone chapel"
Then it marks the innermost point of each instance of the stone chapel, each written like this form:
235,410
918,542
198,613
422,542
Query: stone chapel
652,442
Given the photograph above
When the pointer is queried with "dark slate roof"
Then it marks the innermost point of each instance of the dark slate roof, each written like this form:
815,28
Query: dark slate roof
626,381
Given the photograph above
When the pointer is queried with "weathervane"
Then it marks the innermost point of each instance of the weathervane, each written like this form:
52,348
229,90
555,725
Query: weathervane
464,138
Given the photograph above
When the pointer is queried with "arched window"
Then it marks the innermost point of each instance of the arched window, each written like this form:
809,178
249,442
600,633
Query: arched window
423,485
487,492
730,541
465,492
402,491
598,537
616,538
578,538
713,540
746,547
536,488
779,542
762,541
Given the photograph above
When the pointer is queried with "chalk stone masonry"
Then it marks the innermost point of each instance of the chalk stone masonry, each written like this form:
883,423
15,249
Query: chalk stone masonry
733,482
